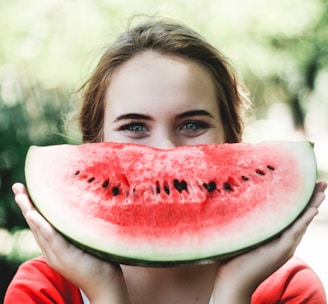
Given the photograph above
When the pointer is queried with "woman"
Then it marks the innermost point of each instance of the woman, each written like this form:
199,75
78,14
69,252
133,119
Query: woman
161,84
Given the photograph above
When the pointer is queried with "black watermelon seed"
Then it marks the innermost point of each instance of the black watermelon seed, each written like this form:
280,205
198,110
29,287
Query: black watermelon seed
106,183
166,189
227,187
91,179
158,187
77,172
259,172
270,167
115,191
244,178
210,187
180,185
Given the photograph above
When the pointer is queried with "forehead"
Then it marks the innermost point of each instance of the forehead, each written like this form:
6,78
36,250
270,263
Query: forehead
151,80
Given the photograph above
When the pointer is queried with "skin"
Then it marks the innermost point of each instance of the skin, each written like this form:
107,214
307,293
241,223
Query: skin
164,102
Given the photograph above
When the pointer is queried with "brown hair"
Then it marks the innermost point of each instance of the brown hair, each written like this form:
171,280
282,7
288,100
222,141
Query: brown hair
168,38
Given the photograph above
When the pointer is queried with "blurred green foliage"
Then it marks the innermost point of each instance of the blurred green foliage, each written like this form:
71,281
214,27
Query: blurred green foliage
307,55
280,48
33,118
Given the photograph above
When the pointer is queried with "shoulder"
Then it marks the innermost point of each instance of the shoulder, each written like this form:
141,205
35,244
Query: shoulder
36,282
295,282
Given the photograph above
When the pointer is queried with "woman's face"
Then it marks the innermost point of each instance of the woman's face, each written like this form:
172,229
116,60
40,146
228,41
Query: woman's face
162,101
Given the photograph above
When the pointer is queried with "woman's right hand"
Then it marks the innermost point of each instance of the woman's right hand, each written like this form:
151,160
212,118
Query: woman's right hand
102,282
239,277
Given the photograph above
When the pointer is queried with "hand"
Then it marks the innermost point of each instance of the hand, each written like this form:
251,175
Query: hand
239,277
102,282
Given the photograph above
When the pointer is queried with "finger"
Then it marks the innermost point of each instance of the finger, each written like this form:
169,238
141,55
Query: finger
35,224
46,234
321,186
19,188
49,238
24,203
22,198
38,222
316,200
49,241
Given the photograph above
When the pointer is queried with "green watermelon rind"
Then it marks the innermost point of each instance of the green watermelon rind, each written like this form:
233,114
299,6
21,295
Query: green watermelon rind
135,261
194,258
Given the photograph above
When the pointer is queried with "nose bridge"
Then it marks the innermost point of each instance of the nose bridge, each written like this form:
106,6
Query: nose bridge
166,139
169,143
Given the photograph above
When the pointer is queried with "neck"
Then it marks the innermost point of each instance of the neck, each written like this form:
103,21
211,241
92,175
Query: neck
170,285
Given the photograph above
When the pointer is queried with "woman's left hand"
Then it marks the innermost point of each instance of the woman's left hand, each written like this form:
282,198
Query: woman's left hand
102,282
239,277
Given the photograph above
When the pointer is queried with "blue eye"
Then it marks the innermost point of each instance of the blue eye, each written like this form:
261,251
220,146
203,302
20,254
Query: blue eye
194,126
135,128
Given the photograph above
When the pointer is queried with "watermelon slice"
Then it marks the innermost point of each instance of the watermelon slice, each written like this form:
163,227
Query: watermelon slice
139,205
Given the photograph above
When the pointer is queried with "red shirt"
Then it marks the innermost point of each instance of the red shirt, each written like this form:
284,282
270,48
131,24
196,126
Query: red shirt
36,282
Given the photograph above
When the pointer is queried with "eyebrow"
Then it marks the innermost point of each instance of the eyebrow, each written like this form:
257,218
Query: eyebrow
194,113
133,116
179,116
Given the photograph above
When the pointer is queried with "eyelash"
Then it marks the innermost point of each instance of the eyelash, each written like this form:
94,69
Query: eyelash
130,125
200,125
195,127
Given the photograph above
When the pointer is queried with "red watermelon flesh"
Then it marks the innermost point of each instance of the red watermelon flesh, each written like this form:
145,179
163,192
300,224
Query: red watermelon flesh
139,205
